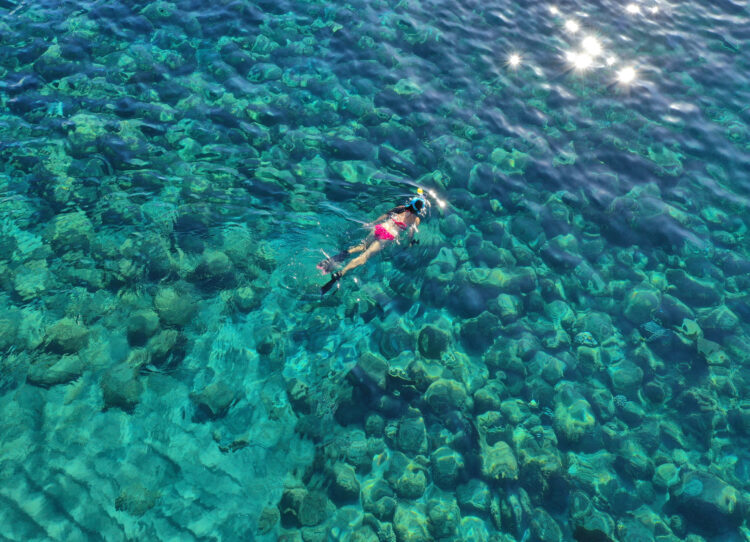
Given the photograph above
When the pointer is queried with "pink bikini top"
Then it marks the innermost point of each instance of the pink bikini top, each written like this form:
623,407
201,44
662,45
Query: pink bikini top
401,225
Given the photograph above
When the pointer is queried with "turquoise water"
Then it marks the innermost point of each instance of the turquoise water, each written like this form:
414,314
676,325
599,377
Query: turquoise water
564,355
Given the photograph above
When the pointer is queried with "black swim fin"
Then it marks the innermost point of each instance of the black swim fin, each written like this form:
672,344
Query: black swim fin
328,285
329,264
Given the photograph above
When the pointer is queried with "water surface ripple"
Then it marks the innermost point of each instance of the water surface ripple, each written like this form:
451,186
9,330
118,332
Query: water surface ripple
565,355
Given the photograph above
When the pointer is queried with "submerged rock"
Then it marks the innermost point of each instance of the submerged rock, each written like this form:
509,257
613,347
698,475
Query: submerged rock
246,298
121,388
142,325
452,225
673,311
412,434
136,500
445,395
66,336
443,517
374,368
593,472
303,508
408,478
378,498
366,534
544,528
214,400
166,347
489,397
694,292
175,305
499,462
433,342
598,324
478,334
633,461
507,307
474,497
666,476
721,320
550,368
268,519
626,377
708,502
562,252
411,524
50,370
8,329
84,133
71,231
538,457
447,467
344,487
641,304
589,523
572,416
395,340
214,270
32,280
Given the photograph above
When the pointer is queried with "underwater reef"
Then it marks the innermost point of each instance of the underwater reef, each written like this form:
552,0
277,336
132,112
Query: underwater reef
565,355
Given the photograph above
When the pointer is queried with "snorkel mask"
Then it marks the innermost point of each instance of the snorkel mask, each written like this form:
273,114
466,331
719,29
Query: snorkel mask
419,203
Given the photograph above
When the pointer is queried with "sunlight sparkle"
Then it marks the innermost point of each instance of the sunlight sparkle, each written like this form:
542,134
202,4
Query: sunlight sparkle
626,75
591,45
440,202
572,26
580,61
633,8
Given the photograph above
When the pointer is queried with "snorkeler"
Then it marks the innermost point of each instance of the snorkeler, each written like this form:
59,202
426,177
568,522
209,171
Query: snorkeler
387,228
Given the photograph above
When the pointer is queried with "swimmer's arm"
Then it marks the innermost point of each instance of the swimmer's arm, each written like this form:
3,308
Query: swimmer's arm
413,230
382,218
378,220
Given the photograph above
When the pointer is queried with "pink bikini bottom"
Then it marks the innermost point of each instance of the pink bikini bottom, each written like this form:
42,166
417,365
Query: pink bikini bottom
383,234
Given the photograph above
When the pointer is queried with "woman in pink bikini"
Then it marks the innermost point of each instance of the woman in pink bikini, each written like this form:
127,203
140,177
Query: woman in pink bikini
388,227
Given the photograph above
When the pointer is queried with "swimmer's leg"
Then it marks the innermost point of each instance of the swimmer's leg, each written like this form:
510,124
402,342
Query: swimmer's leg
366,242
374,247
329,264
357,248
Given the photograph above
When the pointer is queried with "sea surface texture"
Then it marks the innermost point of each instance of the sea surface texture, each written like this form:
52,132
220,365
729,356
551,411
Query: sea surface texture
565,355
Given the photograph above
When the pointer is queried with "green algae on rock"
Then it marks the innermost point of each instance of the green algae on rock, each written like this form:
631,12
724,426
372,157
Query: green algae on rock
411,523
175,305
447,467
171,175
50,370
499,462
572,416
66,336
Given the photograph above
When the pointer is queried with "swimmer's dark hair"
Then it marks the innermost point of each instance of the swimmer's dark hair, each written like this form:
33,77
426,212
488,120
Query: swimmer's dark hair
414,208
399,209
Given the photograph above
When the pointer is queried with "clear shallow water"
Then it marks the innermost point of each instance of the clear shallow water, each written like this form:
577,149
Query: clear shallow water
565,353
